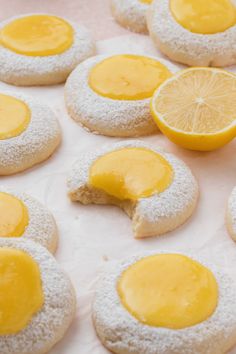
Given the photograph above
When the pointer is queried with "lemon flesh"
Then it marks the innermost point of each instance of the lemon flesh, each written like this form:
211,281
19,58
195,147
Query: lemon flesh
196,108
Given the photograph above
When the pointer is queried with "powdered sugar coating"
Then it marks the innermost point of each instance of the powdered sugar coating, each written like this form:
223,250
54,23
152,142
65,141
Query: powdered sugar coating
48,325
187,47
231,214
41,227
23,70
120,332
130,14
150,216
35,144
104,115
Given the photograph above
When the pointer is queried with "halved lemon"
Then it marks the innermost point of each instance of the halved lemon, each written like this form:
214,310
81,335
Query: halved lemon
196,108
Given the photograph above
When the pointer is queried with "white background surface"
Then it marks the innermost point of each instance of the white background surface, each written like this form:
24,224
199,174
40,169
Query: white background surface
91,234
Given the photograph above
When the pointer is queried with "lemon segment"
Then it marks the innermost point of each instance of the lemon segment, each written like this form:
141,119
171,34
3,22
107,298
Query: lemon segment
204,17
196,108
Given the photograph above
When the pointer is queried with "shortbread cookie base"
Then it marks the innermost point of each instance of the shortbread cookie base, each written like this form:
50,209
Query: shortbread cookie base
130,14
102,115
187,47
49,325
42,227
121,333
23,70
34,145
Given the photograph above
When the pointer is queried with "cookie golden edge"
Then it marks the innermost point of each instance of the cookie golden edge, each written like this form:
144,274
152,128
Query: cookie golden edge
130,14
187,47
230,216
152,216
23,70
105,116
50,324
34,145
42,227
121,333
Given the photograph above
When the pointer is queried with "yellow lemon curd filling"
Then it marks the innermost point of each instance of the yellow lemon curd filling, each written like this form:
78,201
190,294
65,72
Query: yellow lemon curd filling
14,117
127,77
37,35
146,1
20,288
168,290
13,216
131,173
204,16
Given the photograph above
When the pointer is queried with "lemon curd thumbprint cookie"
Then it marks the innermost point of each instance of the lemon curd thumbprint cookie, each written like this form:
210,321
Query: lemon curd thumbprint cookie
110,95
29,132
41,49
37,302
131,14
165,303
231,215
196,33
24,217
155,189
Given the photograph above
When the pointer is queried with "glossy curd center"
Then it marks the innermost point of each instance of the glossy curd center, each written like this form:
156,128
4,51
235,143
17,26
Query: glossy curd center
37,35
204,16
14,117
20,288
131,173
127,77
13,216
146,1
168,290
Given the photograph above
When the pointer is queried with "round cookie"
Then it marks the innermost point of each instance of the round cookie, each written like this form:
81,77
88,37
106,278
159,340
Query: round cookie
131,14
41,49
110,95
231,215
159,303
29,132
24,217
33,325
196,33
196,108
155,189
